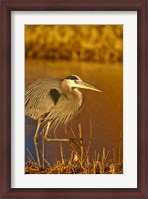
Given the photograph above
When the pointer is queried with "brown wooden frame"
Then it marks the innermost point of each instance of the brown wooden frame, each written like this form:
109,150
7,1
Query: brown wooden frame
141,6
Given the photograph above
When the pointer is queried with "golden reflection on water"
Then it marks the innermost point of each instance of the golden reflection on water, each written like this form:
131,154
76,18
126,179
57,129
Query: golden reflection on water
105,110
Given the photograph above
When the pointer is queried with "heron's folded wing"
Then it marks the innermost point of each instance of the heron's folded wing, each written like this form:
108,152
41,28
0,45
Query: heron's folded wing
41,96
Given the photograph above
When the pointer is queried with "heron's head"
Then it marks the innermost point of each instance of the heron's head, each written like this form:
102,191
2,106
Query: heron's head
73,81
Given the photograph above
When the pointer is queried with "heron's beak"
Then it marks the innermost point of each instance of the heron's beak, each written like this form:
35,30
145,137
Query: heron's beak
84,85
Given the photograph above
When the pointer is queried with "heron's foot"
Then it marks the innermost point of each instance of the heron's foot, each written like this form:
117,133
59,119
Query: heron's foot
56,139
51,139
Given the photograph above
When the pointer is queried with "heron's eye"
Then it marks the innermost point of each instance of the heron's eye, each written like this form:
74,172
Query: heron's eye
72,77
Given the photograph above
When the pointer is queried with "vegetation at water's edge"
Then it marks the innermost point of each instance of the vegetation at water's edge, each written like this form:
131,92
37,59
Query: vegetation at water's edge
101,43
79,161
74,166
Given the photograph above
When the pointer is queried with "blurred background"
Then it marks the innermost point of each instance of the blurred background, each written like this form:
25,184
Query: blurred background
95,54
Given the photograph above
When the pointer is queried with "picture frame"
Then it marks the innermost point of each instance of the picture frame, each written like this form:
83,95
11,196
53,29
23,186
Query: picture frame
6,94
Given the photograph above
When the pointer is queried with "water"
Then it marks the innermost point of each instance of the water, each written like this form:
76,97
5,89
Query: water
104,110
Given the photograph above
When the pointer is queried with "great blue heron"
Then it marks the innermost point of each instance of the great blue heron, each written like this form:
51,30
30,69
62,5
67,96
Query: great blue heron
54,101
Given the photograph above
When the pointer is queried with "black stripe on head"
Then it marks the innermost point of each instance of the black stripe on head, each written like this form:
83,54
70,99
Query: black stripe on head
72,77
55,95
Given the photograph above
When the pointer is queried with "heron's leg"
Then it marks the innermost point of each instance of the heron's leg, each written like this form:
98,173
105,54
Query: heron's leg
47,129
53,139
43,153
43,145
57,139
36,142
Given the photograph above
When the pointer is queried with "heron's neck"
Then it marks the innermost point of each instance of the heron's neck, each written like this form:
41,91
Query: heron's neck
65,87
75,95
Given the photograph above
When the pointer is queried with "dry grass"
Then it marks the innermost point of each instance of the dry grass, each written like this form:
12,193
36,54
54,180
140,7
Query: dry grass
79,161
75,167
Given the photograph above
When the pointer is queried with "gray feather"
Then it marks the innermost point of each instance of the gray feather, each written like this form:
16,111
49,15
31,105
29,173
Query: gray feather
37,97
